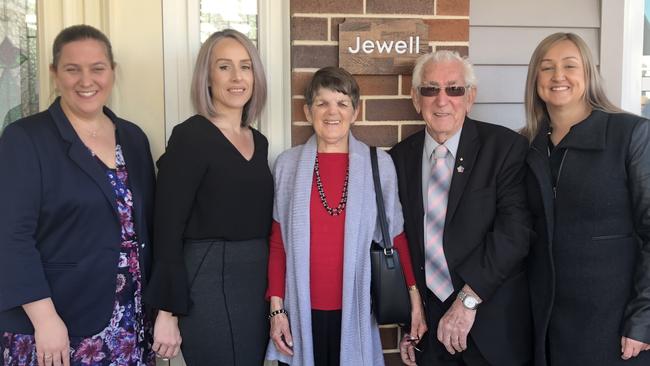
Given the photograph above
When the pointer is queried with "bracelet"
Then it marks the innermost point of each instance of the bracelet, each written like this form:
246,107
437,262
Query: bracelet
413,288
276,312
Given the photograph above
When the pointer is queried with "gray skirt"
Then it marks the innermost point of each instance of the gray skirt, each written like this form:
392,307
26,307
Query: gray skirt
227,323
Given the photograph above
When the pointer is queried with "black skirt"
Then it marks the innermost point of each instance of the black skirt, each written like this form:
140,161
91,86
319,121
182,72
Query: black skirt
227,323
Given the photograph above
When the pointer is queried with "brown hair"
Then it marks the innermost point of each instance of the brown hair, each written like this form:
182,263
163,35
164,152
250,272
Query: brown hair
594,96
200,92
78,33
336,79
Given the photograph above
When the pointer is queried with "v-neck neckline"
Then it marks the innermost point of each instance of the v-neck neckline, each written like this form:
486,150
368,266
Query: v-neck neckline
232,146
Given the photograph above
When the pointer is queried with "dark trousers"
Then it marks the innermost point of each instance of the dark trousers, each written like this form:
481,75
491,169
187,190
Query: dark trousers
434,352
326,337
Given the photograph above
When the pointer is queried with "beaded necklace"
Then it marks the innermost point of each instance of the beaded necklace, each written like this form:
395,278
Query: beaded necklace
321,192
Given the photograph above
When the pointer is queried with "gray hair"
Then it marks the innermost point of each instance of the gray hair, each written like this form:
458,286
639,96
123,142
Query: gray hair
200,91
440,57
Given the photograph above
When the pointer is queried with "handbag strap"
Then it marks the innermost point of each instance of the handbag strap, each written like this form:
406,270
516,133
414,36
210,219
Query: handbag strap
381,211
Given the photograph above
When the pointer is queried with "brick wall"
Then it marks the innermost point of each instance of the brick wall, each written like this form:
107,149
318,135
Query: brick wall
387,115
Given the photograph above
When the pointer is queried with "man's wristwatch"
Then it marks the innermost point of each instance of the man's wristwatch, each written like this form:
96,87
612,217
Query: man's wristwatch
469,302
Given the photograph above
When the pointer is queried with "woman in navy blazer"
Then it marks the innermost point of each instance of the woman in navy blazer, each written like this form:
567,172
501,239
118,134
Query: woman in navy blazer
76,192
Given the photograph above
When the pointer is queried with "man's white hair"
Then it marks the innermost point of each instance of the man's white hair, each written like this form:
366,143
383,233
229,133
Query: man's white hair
439,57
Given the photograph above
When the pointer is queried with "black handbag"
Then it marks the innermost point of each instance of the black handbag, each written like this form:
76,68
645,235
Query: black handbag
390,298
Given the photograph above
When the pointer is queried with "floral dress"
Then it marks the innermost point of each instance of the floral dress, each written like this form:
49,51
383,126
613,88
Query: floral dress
127,339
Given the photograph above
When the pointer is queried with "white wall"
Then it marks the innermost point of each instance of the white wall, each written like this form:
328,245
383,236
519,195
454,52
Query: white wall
503,35
135,31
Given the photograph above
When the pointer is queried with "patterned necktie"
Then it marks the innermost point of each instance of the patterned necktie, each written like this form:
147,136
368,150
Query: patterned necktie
437,272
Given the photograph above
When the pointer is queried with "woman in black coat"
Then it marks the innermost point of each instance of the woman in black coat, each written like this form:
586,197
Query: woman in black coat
589,190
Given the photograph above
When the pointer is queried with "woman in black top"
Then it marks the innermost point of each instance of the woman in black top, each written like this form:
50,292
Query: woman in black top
589,193
214,199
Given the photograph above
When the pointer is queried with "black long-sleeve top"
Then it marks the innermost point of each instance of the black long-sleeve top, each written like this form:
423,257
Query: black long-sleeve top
205,190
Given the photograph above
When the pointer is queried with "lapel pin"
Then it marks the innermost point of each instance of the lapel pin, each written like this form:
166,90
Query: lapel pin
460,169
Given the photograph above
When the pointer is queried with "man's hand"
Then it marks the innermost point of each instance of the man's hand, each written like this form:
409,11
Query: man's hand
631,348
455,325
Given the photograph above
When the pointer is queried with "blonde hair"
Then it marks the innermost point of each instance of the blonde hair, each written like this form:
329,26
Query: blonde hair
594,96
200,91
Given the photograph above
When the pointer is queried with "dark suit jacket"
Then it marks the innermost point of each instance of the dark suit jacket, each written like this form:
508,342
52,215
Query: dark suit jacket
486,236
59,226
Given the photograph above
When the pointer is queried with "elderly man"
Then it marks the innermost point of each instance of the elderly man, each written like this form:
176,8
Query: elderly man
464,203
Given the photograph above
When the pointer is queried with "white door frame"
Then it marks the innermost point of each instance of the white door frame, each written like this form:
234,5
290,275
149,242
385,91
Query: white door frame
181,45
621,48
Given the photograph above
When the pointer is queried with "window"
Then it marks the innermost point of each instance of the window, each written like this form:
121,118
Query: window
18,60
266,22
240,15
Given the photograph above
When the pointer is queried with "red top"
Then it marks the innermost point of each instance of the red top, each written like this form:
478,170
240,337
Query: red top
326,241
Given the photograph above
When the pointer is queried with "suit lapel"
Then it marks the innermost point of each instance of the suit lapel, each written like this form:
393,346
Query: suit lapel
468,148
414,176
79,153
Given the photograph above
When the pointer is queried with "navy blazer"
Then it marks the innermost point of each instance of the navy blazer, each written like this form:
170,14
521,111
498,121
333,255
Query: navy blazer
59,226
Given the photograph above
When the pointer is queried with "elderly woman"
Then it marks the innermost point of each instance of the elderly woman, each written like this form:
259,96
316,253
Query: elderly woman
214,199
589,190
77,196
324,221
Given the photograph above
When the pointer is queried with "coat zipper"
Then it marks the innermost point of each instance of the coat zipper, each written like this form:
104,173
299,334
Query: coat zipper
559,173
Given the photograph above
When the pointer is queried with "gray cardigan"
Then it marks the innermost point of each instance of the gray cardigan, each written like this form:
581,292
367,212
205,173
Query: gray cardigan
293,174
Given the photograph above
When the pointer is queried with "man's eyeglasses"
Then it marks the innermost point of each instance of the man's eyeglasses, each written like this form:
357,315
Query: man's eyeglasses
434,91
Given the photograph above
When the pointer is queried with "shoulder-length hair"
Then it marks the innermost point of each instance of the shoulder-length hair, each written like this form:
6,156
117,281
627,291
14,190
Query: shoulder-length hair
594,96
200,93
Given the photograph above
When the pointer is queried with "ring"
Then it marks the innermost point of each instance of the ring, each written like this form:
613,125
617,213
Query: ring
48,356
164,359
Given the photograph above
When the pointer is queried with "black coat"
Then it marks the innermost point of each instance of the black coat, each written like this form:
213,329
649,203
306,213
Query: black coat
486,234
589,270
